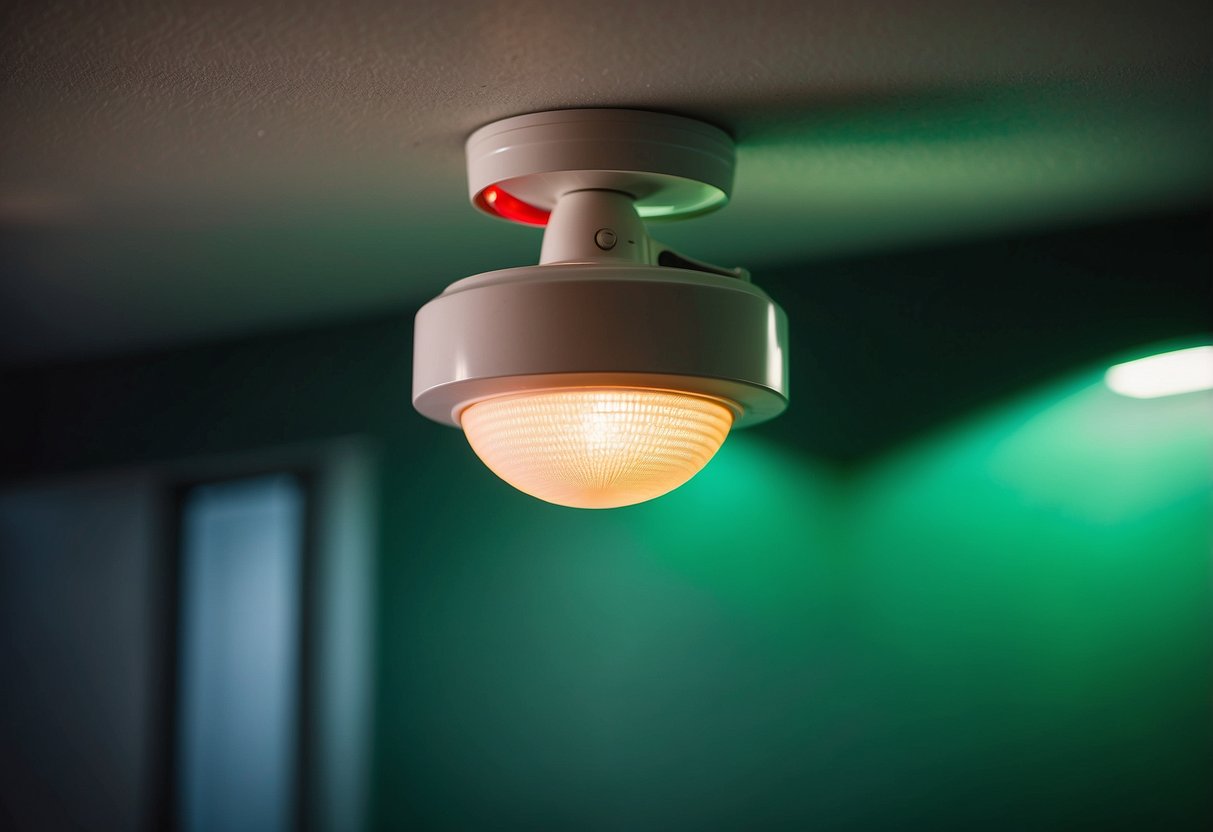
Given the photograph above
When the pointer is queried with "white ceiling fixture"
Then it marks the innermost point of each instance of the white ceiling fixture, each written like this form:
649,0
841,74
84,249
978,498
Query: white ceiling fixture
612,372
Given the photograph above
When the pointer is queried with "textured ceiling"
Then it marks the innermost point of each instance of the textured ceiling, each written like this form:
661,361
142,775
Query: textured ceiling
181,171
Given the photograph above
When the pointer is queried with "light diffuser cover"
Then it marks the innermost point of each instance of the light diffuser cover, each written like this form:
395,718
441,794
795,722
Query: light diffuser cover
597,447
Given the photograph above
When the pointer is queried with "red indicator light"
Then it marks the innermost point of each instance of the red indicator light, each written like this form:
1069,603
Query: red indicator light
496,201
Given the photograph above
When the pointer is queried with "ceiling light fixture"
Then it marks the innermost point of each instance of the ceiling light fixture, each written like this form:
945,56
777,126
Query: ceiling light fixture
610,373
1165,374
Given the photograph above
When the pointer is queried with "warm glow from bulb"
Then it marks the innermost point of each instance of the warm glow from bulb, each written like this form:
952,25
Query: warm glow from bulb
597,447
1168,374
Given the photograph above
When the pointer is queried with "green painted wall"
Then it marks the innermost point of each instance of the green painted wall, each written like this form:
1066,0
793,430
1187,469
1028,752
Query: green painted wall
1005,624
959,585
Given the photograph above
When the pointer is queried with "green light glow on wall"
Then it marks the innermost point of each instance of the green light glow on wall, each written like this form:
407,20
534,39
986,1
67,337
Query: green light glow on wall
1016,605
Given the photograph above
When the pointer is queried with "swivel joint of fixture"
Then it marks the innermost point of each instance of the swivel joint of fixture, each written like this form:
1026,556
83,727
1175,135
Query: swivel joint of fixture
601,226
595,226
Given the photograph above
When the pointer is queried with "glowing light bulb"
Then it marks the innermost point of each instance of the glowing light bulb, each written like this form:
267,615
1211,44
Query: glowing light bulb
1167,374
597,447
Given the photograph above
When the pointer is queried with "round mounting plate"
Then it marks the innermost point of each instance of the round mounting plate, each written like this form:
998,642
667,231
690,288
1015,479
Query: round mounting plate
672,166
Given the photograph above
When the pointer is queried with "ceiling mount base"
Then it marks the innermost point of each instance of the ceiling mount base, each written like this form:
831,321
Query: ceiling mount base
672,167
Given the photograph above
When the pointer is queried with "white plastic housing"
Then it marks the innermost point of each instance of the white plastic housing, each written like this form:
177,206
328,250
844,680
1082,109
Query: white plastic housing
568,326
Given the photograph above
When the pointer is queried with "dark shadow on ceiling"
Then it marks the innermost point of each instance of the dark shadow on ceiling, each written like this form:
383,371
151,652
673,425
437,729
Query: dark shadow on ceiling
886,347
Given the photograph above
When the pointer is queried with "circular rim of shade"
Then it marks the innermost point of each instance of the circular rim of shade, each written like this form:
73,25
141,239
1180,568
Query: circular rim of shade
546,327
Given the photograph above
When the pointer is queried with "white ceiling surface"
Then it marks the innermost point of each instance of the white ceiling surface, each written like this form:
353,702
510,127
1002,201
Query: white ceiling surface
181,171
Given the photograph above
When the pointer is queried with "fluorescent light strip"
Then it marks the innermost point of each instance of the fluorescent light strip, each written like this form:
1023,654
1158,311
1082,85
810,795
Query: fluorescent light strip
1168,374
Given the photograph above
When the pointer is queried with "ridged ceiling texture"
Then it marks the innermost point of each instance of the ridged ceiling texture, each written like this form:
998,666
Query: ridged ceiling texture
176,171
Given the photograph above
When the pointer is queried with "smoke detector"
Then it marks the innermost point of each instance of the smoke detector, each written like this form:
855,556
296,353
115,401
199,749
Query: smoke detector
612,372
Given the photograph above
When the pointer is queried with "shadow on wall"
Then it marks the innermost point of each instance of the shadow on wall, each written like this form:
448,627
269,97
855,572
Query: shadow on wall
886,348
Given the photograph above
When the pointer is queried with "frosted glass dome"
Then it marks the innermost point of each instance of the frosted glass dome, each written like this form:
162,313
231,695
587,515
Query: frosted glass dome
597,447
